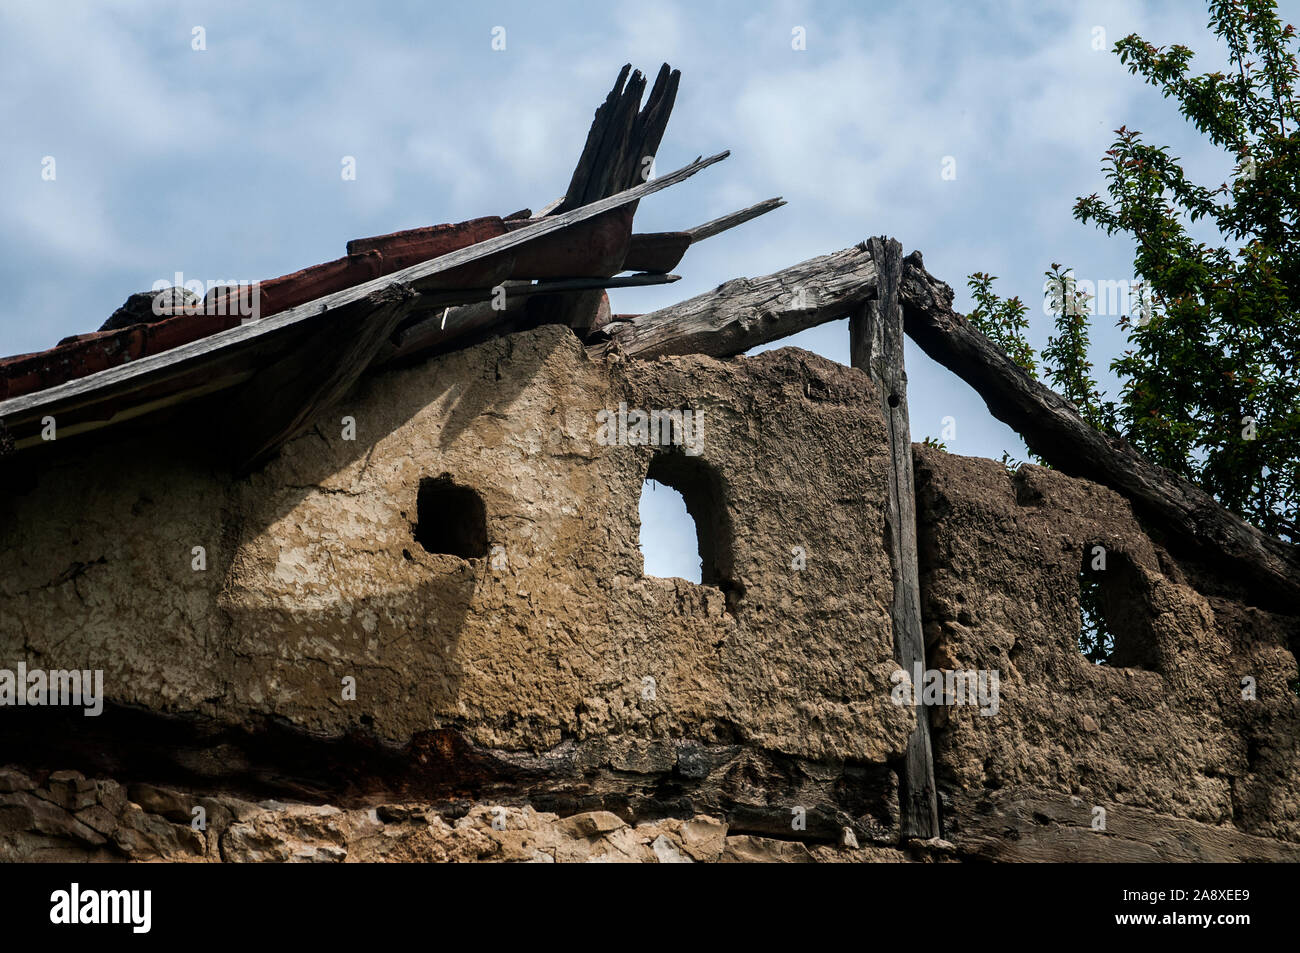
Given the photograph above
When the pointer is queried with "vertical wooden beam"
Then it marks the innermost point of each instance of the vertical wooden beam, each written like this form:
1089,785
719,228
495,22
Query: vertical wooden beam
876,346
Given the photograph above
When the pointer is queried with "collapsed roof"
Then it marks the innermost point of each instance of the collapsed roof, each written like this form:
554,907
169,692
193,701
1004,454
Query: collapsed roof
388,297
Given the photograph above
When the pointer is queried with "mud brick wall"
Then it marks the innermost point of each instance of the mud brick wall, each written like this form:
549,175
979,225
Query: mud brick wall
1168,730
541,669
549,666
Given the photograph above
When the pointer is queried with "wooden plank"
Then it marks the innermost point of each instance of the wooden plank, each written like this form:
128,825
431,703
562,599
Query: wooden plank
1027,826
1052,428
656,251
438,328
746,312
876,346
218,381
136,374
719,225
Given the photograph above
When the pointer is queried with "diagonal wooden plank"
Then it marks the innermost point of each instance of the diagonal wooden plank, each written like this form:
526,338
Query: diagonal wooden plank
1052,428
719,225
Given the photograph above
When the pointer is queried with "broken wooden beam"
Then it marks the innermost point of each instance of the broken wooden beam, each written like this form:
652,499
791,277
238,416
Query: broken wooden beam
876,346
617,155
1052,427
726,222
623,138
746,312
663,251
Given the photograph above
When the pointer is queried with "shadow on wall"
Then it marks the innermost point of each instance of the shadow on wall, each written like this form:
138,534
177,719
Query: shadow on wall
426,677
446,520
450,533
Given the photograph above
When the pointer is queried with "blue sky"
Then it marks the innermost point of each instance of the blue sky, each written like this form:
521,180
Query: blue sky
225,162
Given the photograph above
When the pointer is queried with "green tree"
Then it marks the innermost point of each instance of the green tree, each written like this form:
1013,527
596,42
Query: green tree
1209,382
1001,320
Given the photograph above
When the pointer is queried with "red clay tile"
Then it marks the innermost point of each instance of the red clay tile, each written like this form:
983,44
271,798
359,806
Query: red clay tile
403,249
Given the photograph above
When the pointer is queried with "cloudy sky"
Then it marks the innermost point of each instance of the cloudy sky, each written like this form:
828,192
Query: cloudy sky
225,162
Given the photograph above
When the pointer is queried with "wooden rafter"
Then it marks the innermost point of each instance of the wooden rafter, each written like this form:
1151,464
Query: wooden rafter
1052,427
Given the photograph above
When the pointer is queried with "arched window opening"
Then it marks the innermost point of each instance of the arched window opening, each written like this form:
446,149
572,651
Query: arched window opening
668,537
666,518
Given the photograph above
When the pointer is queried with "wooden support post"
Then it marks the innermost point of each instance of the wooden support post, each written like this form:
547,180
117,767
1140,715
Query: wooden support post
876,346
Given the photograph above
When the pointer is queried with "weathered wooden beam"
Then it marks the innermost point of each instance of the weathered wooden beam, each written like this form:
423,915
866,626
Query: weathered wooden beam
876,346
662,251
116,381
732,219
1034,826
746,312
1052,428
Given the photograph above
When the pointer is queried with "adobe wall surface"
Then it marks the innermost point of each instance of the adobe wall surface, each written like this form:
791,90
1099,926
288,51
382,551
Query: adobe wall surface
551,687
1000,557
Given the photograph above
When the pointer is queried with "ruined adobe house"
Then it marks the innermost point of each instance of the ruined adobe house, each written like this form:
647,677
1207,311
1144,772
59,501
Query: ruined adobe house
379,596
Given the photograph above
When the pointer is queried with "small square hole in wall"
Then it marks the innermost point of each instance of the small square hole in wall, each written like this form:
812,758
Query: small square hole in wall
450,519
